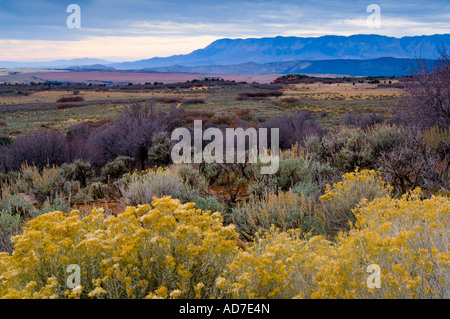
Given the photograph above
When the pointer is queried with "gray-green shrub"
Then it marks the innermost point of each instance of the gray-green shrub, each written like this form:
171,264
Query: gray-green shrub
161,149
117,168
141,187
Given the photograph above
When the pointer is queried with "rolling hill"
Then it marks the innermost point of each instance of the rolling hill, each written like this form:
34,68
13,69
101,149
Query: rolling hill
351,67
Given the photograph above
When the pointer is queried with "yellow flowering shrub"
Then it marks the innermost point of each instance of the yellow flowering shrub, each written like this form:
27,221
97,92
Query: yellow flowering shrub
166,250
338,201
278,265
407,238
169,250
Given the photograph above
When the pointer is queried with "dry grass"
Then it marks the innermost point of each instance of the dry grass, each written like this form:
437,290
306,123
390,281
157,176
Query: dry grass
334,99
52,96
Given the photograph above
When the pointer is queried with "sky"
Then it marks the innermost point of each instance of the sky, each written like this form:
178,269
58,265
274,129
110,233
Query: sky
129,30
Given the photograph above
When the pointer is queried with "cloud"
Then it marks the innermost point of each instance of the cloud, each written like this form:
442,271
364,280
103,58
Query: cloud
115,49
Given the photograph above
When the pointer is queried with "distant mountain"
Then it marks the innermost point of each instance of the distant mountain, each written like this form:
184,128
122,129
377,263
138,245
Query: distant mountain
367,55
284,49
371,67
52,64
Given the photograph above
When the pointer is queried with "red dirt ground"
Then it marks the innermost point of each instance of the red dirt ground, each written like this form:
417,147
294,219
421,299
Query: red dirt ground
99,77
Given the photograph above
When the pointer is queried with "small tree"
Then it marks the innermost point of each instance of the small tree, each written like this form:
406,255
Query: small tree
46,146
129,135
428,94
294,128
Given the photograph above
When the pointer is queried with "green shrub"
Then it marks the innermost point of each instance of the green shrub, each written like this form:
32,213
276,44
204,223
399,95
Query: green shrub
79,171
231,178
42,184
96,190
208,203
15,205
295,171
193,178
82,195
308,189
9,221
117,168
9,224
141,187
350,148
385,138
99,190
285,210
57,204
12,210
161,150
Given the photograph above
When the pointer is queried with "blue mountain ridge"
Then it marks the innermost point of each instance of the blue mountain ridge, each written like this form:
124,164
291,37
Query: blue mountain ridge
285,49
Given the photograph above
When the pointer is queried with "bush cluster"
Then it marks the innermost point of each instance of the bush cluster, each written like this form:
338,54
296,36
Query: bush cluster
158,251
408,158
170,250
